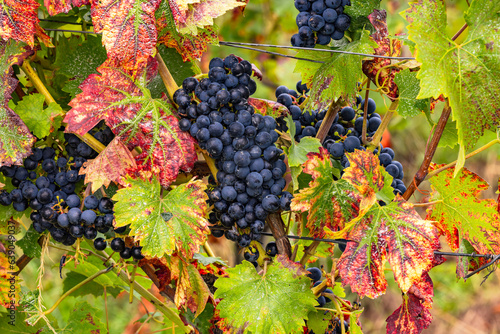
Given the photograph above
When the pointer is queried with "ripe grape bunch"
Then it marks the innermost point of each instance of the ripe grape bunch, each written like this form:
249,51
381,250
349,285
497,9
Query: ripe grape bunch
250,167
46,184
345,134
320,21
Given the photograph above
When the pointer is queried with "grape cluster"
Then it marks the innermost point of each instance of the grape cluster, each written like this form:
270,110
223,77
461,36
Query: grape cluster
250,179
320,21
46,184
345,134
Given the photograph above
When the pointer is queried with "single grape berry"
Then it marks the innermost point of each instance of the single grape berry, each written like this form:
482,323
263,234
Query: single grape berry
117,244
91,202
105,205
136,253
126,253
100,244
314,274
271,249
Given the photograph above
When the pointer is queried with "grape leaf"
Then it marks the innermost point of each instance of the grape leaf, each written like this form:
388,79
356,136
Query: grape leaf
55,7
268,107
450,136
15,137
19,21
297,152
378,69
81,58
39,120
191,15
29,243
175,222
408,87
460,214
128,30
189,46
338,76
465,73
9,283
295,267
72,278
273,303
368,177
109,166
176,65
359,10
395,232
330,204
19,325
84,319
126,105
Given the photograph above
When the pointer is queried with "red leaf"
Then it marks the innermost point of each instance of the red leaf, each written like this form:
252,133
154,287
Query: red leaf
125,103
387,47
267,107
412,317
15,138
128,30
55,7
19,20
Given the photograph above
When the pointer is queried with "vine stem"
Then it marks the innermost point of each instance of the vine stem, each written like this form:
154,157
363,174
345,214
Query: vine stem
37,82
76,287
277,227
309,251
427,204
208,249
429,153
330,115
365,113
167,78
211,165
473,153
377,137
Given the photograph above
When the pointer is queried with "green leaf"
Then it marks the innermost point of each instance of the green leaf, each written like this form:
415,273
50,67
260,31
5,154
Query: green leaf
93,287
359,11
318,321
141,206
207,260
338,76
466,73
330,204
18,324
449,138
29,243
39,120
81,58
90,267
297,153
273,303
408,88
84,319
179,69
461,214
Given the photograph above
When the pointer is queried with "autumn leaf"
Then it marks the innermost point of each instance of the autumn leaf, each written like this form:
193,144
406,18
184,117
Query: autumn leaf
337,76
176,222
276,302
55,7
378,69
7,279
295,267
189,46
330,204
125,103
19,21
15,137
465,73
460,213
39,120
128,30
268,107
84,319
111,165
394,232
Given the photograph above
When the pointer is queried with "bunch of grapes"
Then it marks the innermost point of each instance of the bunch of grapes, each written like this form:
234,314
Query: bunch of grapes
345,134
250,167
320,21
46,184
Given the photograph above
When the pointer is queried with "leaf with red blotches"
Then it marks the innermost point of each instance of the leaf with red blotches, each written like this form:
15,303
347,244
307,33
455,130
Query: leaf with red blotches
125,103
15,137
55,7
367,176
19,21
110,165
330,204
378,68
189,46
295,267
394,232
459,212
128,30
268,107
9,283
190,15
175,222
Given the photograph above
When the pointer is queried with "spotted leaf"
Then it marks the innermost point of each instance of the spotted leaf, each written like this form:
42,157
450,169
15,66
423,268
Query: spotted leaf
395,233
55,7
330,204
19,21
175,222
267,107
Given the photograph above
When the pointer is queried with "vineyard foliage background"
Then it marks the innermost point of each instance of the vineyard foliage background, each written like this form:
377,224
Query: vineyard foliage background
123,66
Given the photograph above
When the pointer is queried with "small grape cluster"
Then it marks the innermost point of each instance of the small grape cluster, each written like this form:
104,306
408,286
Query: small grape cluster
320,21
345,134
250,179
46,184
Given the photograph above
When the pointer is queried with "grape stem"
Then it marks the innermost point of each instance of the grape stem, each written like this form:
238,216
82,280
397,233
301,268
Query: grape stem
365,114
208,249
377,137
167,78
429,153
309,251
332,112
37,82
275,223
